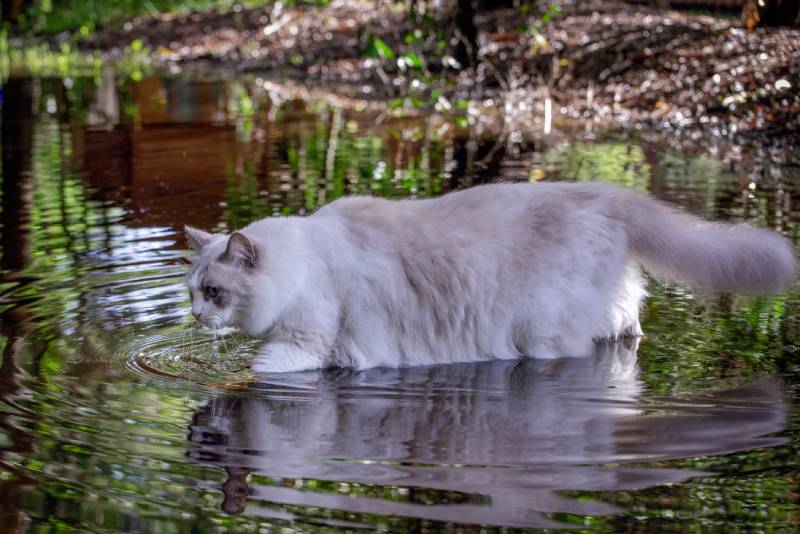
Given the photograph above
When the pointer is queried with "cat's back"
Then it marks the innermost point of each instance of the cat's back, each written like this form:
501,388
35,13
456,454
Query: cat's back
474,207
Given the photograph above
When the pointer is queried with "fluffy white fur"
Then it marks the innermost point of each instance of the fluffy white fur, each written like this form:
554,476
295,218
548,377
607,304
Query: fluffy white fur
497,271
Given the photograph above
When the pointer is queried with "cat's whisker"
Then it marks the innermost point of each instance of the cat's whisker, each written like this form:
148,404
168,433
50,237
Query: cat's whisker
238,344
191,340
187,335
184,333
216,324
213,337
223,341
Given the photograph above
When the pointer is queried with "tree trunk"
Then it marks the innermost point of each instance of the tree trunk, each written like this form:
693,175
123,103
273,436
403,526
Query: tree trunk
12,9
771,13
16,131
467,34
17,137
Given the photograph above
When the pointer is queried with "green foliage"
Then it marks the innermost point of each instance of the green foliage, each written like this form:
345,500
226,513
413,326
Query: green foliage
412,60
619,163
536,26
84,16
379,48
67,60
552,11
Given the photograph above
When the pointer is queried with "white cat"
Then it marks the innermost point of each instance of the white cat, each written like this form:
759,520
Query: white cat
497,271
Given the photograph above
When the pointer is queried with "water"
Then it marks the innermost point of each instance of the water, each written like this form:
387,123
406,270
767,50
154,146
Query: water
117,414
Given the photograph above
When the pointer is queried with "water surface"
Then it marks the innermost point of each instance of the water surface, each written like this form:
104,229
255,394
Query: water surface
113,414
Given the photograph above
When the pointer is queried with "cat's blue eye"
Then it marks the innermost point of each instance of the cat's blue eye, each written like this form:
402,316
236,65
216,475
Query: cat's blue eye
212,291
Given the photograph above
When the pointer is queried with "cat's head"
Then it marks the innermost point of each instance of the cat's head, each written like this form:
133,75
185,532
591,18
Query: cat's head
250,278
221,276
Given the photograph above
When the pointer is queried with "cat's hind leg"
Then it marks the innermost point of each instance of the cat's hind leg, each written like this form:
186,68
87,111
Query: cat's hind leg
626,303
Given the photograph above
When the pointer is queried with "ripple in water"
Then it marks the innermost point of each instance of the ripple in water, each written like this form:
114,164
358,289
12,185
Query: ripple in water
194,354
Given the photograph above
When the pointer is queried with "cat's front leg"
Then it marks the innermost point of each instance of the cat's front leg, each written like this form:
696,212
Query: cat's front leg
281,357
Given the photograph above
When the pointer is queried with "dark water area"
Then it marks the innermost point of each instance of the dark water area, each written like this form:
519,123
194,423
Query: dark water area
117,414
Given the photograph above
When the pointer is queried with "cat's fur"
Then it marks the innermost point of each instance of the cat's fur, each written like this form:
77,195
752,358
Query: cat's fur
497,271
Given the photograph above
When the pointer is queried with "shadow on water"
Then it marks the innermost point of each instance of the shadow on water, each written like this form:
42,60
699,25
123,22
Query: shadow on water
490,443
15,323
101,377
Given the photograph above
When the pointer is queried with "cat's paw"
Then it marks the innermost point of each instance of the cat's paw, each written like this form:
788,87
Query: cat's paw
264,365
286,360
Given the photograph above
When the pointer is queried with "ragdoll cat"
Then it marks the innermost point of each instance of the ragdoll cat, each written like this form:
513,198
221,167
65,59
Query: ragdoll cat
496,271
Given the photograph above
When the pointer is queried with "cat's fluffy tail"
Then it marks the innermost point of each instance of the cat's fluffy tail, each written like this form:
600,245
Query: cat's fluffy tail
682,248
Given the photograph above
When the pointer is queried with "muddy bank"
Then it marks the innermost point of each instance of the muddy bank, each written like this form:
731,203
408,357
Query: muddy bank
601,60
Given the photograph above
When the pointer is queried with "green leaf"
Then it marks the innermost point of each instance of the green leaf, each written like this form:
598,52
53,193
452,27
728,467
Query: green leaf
552,11
413,60
383,50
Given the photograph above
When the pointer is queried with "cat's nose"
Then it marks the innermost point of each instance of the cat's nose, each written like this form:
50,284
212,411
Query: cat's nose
196,315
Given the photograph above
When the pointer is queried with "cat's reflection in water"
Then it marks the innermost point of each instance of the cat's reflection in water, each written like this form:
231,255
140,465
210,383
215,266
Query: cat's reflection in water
506,436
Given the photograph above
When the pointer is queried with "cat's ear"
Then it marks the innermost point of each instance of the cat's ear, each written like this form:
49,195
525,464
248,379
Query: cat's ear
241,250
196,239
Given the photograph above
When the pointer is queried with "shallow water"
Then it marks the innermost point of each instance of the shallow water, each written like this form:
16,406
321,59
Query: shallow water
117,414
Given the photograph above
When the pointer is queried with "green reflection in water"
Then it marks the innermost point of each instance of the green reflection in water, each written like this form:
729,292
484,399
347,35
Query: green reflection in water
89,441
619,163
695,341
